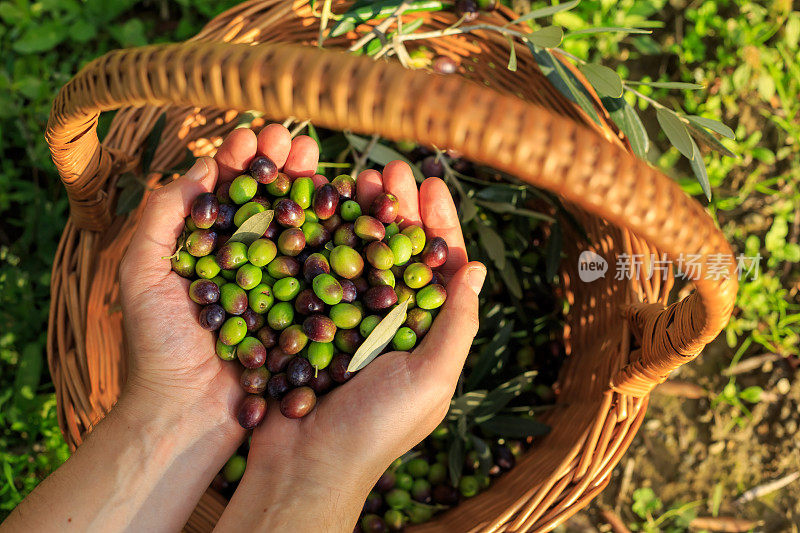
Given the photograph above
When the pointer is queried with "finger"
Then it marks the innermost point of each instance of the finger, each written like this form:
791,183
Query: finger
440,218
369,184
235,153
275,142
319,180
303,157
442,352
163,217
399,180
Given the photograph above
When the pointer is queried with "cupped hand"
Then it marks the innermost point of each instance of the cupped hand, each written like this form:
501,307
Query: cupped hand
318,470
170,355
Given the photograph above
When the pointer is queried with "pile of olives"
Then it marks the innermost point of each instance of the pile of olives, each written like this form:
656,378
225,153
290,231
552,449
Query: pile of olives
295,304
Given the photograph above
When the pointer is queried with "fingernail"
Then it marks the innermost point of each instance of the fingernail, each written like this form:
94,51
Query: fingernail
198,170
475,278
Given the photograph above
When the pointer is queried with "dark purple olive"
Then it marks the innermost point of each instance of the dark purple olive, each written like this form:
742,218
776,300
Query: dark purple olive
292,339
321,382
444,65
204,210
263,169
503,457
431,167
252,320
345,186
204,291
291,241
326,200
385,207
348,340
331,223
361,285
315,265
386,482
373,503
377,277
467,9
349,291
222,192
272,230
319,328
297,403
277,386
338,368
380,297
252,411
251,352
254,380
267,336
224,217
345,235
372,523
445,495
299,371
289,214
211,317
435,252
277,360
261,200
308,303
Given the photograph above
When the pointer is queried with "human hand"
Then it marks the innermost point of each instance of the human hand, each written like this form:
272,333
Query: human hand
318,470
171,357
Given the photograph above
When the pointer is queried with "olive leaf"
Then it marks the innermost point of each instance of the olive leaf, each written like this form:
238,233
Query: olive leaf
606,29
512,57
699,169
603,79
563,80
510,278
547,37
514,427
713,125
493,244
484,454
627,120
131,193
668,85
253,228
504,393
379,338
676,131
455,460
705,138
464,404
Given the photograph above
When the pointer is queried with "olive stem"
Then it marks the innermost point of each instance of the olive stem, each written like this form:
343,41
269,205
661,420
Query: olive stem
379,31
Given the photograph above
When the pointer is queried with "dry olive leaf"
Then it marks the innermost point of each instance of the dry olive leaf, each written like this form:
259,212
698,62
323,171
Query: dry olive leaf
253,228
379,338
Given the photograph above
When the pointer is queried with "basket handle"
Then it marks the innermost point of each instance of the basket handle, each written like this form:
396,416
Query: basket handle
340,91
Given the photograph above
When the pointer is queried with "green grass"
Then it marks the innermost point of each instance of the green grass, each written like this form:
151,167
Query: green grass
745,55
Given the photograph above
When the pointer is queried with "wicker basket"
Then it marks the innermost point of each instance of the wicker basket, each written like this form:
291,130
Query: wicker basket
620,337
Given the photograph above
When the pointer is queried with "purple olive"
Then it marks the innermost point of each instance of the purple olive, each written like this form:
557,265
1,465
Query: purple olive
201,242
252,411
321,382
345,186
252,320
277,386
319,328
338,368
308,303
385,207
326,200
331,223
289,214
254,380
292,339
211,317
345,235
431,167
267,336
204,291
277,360
291,241
315,265
263,169
380,297
435,252
349,291
251,352
369,228
297,403
224,217
299,371
204,210
444,65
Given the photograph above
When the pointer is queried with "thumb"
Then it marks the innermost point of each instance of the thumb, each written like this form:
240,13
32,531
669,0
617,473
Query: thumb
163,217
444,349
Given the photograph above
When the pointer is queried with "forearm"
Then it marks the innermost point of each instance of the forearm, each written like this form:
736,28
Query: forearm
278,499
143,468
